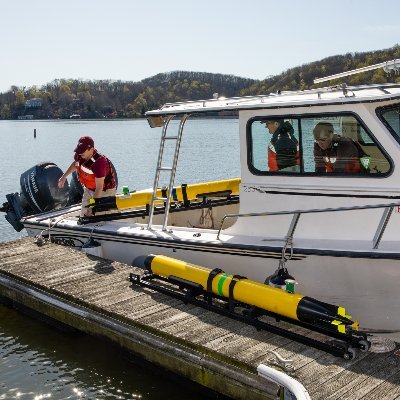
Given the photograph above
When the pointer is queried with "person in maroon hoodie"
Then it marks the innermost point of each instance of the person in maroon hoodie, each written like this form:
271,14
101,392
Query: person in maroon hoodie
95,173
333,153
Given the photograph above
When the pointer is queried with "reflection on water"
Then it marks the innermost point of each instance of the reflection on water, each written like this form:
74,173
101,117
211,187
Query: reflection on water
39,362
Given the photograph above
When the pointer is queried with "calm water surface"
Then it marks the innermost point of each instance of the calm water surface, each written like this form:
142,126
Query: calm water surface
38,361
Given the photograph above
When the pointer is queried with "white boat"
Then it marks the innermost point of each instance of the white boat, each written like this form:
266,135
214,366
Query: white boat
337,233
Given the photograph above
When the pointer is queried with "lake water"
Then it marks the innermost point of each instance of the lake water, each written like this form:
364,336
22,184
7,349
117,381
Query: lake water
38,361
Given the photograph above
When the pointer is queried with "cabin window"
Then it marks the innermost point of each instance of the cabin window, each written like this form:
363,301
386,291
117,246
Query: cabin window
391,117
275,145
324,144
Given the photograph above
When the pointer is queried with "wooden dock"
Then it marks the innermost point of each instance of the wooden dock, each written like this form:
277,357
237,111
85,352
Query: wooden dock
95,296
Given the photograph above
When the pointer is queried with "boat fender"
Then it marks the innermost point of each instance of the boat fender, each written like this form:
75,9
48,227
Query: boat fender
93,248
278,278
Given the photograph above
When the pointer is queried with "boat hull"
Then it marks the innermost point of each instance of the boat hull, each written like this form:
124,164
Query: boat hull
366,286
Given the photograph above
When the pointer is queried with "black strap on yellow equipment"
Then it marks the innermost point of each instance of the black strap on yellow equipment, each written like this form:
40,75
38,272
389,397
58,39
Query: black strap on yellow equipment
213,273
186,201
234,281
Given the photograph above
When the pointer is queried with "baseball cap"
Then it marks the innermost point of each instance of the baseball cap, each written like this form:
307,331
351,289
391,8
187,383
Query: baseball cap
264,121
85,142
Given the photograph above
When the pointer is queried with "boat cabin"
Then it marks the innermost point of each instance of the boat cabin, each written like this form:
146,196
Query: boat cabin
335,191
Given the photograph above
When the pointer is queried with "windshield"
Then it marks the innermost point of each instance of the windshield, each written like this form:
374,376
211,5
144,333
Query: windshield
391,117
337,144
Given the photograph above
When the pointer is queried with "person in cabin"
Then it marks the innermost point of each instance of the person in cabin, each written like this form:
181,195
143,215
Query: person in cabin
95,173
334,153
283,148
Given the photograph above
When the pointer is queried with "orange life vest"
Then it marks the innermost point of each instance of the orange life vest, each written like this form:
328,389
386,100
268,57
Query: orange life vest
86,175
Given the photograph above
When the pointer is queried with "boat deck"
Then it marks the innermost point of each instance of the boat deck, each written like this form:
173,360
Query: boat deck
95,296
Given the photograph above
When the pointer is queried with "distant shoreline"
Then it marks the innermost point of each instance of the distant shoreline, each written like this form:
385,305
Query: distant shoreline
111,119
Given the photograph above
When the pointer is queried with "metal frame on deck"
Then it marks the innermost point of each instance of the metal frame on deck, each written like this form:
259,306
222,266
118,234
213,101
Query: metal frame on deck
387,213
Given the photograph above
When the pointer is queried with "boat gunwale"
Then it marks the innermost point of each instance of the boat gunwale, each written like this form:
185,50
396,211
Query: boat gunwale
218,246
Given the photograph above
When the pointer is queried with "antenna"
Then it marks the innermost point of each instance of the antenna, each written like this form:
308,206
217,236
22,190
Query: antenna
387,66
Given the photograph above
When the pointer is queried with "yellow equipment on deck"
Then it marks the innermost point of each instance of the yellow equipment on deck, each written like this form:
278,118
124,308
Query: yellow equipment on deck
179,194
291,305
242,299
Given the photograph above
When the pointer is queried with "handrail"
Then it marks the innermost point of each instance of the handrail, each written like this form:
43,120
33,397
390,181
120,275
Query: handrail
173,171
387,67
157,175
378,235
196,105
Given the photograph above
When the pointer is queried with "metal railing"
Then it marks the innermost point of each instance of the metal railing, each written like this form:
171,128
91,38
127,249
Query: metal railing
296,215
204,105
388,66
171,169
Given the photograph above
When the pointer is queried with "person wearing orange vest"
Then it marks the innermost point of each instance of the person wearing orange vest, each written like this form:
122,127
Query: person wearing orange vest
333,153
283,148
95,173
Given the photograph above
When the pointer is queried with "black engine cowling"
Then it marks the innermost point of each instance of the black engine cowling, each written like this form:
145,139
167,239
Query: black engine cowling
40,193
39,188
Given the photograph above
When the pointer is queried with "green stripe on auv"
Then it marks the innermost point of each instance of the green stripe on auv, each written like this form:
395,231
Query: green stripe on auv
221,282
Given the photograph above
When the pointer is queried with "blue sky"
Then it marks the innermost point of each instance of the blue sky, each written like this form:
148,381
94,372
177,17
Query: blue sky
42,40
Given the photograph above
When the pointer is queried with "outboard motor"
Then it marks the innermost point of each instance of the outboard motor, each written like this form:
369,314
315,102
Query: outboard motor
39,193
39,188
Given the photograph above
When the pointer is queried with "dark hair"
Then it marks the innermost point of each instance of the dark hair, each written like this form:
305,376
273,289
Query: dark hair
279,120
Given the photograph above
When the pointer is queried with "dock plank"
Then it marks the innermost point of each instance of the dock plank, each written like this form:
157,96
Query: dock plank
358,374
103,286
382,380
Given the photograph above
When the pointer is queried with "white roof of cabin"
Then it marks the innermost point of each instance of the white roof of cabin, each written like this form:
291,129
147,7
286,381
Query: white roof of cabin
314,97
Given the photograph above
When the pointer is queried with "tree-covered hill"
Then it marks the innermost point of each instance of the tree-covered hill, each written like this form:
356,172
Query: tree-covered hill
63,98
300,78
